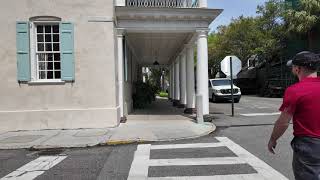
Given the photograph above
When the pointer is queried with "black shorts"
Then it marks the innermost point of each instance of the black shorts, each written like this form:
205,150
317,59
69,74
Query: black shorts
306,158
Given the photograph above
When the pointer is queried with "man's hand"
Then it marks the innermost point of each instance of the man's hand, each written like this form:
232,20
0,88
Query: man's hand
279,128
272,145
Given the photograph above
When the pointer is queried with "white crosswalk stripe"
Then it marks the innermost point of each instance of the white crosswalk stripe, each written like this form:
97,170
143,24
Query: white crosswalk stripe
142,162
34,168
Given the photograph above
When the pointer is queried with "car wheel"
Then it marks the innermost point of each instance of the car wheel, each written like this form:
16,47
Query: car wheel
213,98
236,100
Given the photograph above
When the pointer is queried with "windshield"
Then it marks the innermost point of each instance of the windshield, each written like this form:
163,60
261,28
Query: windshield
221,82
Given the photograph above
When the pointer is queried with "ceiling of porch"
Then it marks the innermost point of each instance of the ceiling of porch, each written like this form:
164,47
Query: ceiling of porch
160,47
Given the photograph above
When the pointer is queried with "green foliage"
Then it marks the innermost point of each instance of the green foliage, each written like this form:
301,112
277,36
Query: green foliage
245,36
155,78
304,17
163,94
145,94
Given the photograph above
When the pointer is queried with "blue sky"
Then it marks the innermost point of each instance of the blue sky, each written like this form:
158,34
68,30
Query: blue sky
233,9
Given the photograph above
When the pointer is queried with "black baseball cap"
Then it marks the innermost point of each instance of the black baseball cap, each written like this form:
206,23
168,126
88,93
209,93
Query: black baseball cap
305,59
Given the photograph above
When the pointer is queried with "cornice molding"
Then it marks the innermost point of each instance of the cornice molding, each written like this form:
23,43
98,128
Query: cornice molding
134,13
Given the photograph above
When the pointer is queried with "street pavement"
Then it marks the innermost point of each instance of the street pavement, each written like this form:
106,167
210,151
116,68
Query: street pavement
236,150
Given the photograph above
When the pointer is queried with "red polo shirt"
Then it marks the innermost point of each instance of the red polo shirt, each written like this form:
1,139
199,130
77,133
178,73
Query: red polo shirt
302,100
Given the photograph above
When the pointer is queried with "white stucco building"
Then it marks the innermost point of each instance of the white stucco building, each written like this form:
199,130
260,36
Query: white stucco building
72,64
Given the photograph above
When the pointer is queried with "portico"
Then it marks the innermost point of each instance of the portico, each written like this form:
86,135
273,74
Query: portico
168,36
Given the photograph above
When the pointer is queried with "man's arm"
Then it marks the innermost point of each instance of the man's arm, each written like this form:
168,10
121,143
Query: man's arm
279,128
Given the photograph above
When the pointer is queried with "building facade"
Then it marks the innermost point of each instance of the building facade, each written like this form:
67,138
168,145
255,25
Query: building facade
73,64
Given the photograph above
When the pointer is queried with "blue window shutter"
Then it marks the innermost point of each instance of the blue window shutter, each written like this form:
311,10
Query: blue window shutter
23,52
67,51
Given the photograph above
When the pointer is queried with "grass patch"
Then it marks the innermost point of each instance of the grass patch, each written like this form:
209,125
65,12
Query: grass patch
163,94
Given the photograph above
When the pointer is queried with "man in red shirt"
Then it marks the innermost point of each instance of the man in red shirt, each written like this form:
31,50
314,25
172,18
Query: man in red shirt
301,103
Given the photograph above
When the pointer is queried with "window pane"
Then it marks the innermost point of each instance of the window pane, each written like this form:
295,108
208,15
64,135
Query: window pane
50,74
50,57
56,56
57,65
56,47
48,29
41,57
55,29
40,47
56,38
42,75
48,37
49,65
48,47
40,37
57,74
39,29
42,66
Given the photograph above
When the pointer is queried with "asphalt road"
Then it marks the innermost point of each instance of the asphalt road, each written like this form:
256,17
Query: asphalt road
215,155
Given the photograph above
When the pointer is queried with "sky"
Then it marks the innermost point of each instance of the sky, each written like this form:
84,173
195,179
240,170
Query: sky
233,9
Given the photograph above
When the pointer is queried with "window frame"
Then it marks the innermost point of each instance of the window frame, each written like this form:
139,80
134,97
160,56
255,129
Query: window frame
33,52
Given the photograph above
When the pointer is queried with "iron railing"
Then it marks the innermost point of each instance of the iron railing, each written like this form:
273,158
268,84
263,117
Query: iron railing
163,3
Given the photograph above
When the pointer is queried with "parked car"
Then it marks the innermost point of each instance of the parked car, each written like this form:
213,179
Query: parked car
220,89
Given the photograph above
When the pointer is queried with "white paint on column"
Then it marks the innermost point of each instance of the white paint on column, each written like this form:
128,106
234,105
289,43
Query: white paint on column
34,168
120,70
190,77
183,78
177,81
202,69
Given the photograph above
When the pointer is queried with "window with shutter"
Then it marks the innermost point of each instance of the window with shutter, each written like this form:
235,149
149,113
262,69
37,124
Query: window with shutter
50,57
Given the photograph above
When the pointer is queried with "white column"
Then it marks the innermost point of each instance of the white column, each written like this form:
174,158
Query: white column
173,81
176,81
183,78
190,77
170,82
203,3
120,69
202,69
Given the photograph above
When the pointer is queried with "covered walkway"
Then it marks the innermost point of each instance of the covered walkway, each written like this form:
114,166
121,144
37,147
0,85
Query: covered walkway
159,122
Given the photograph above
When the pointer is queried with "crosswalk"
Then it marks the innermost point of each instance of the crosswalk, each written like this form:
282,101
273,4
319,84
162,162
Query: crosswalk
221,159
34,168
242,165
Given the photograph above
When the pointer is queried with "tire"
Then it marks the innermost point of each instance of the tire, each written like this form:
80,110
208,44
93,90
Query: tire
213,98
236,100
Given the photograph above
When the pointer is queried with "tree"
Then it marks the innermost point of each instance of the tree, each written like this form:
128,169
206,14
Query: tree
246,36
304,16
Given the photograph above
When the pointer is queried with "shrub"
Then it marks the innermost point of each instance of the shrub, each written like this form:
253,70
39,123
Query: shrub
145,94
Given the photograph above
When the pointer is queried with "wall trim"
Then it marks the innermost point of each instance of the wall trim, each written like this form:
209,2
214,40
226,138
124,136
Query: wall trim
52,110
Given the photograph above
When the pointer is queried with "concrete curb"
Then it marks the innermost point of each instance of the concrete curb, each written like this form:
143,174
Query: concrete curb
108,142
124,142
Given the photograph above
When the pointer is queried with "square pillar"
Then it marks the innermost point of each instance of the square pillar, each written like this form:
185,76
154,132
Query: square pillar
202,69
120,38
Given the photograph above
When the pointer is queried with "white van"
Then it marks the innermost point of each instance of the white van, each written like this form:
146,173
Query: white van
220,89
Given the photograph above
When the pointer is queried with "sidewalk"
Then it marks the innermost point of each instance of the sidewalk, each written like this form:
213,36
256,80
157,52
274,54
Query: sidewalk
159,122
